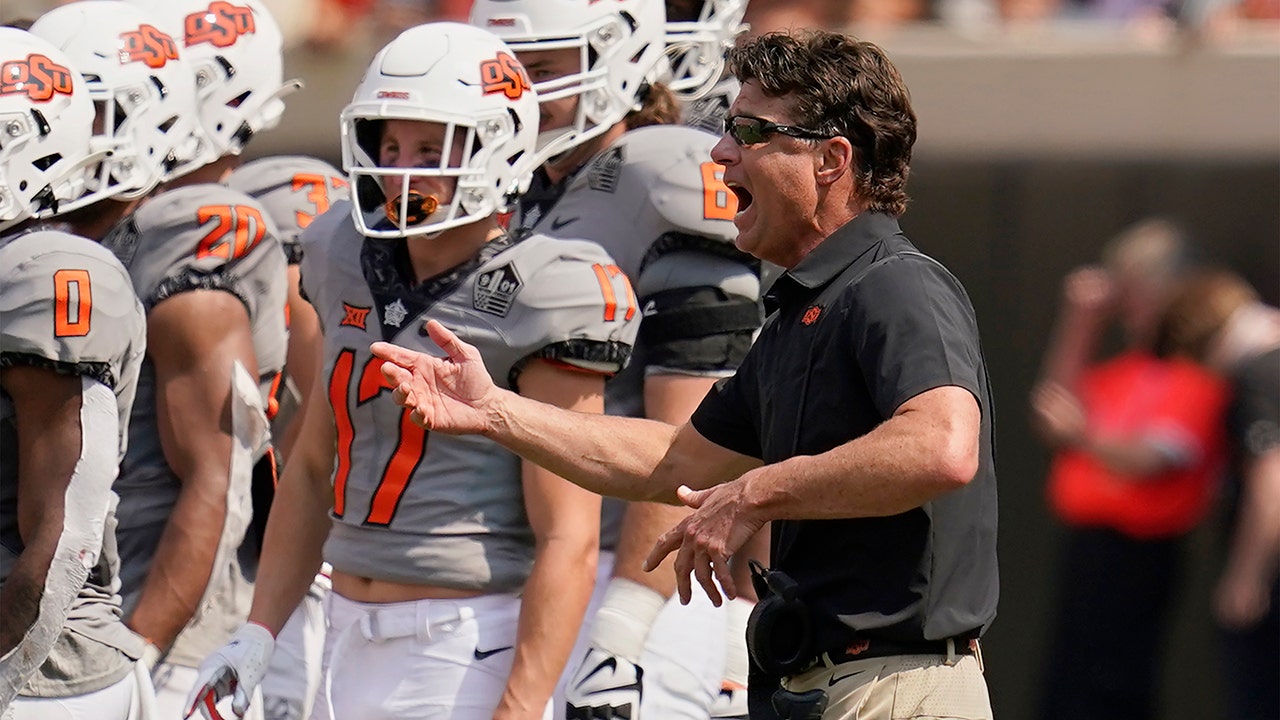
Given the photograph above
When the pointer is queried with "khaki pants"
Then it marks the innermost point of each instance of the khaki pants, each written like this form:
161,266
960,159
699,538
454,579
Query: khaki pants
901,687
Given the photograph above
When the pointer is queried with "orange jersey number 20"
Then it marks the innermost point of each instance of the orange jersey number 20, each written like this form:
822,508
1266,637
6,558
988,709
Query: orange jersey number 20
236,229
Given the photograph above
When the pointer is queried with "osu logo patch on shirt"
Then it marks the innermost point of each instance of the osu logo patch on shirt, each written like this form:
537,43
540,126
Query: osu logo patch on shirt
147,45
504,74
811,315
36,76
220,25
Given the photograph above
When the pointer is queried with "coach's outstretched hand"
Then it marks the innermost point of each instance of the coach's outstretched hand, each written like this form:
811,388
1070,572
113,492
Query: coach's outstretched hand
451,394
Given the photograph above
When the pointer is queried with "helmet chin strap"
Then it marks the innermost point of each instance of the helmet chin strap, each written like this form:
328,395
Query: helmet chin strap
418,208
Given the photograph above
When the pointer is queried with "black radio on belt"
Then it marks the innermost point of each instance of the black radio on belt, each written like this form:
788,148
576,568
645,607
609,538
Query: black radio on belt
779,632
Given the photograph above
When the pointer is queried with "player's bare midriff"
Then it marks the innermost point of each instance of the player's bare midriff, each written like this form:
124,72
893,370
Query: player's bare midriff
363,589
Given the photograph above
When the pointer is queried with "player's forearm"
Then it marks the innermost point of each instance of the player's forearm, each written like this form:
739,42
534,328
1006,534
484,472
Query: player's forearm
20,596
608,455
291,553
552,606
180,571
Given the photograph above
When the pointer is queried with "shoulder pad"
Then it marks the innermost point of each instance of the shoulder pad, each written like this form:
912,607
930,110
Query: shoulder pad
652,182
65,299
199,230
294,189
550,291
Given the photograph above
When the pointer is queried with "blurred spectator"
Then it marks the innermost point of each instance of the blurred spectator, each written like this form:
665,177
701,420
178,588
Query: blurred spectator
335,24
1219,321
1138,444
769,15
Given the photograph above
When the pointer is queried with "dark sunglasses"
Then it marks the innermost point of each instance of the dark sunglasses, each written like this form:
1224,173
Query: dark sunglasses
748,130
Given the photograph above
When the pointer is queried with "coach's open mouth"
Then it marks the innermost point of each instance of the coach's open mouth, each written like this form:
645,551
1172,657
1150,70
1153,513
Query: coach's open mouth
743,195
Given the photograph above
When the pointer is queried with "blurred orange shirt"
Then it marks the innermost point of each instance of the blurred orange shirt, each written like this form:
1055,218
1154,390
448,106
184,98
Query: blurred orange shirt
1137,395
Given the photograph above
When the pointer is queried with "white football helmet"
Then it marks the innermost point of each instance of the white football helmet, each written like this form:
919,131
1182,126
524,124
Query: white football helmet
144,95
234,48
696,43
466,80
46,122
620,43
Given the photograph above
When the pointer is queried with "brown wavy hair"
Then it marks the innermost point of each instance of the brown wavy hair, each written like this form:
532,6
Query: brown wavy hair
659,107
841,86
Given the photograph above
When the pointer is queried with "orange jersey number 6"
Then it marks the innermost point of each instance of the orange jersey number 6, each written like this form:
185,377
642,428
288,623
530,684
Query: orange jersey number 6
718,201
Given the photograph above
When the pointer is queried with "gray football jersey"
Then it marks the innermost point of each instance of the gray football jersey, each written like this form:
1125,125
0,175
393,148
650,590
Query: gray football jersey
294,189
445,510
196,237
67,304
658,204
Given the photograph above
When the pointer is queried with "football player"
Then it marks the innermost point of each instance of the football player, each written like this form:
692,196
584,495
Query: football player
460,573
653,198
699,32
295,190
205,262
71,342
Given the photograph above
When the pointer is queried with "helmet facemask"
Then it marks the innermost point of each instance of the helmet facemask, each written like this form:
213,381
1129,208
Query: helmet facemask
696,45
618,44
388,206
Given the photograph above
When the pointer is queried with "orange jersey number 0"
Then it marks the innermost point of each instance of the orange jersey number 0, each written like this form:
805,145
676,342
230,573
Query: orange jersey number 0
72,303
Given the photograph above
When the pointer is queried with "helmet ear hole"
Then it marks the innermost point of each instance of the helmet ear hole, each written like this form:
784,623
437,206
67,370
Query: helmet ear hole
369,195
369,137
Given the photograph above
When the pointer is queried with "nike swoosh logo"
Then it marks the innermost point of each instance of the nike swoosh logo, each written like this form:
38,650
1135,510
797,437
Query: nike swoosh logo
832,682
612,664
559,223
482,654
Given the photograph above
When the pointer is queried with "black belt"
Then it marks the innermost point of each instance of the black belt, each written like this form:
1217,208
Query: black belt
864,649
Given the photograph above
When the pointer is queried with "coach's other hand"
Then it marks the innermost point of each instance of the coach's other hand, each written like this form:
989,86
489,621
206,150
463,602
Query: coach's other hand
722,522
236,669
448,394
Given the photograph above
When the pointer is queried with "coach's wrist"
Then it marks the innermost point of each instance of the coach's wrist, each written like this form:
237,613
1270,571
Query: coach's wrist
502,412
762,499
